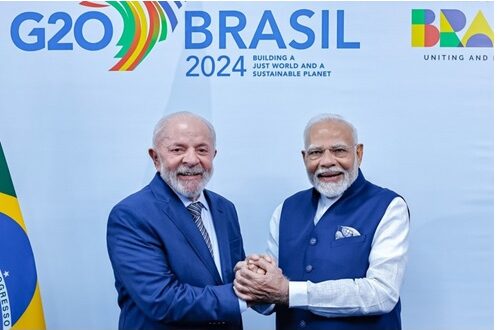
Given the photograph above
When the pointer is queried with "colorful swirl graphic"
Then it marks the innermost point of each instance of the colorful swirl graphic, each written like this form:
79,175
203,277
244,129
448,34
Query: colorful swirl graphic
145,24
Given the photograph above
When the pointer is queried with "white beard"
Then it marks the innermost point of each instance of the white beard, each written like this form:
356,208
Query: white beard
334,189
189,189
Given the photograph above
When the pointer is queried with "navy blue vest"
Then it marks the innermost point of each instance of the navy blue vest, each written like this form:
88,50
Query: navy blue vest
311,253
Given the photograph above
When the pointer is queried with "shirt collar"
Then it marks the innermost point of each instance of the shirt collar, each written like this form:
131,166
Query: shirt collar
325,202
187,201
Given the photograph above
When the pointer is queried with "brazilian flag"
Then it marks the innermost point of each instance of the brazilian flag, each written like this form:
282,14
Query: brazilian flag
20,301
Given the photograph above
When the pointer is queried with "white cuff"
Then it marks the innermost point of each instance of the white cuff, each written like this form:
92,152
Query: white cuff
243,305
297,294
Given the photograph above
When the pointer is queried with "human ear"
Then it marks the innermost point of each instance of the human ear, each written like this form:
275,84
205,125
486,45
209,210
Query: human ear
155,158
359,152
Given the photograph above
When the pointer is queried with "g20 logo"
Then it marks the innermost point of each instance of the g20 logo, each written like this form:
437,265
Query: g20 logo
145,23
452,21
38,34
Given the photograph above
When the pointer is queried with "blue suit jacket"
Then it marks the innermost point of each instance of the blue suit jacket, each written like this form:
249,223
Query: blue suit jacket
165,275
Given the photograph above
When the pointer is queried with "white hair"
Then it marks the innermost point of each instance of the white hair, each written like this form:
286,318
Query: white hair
162,123
324,117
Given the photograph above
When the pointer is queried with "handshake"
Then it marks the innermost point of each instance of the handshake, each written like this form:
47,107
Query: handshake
258,280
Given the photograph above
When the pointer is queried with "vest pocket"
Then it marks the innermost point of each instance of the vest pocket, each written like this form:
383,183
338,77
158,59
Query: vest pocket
349,240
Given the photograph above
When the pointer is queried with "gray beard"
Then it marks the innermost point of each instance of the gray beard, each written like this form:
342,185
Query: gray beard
331,189
191,191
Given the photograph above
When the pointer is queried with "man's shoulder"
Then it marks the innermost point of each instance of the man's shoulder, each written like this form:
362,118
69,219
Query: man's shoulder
216,198
136,201
377,190
300,195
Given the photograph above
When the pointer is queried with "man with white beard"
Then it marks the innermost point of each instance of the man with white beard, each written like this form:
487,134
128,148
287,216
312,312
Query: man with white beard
173,245
341,246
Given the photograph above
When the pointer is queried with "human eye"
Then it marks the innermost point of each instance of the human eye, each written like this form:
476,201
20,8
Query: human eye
314,152
176,150
203,151
340,151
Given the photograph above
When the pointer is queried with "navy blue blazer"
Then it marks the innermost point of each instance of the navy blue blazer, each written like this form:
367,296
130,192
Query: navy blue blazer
165,275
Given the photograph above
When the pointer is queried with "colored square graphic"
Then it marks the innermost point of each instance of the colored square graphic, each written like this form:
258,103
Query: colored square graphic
418,16
418,35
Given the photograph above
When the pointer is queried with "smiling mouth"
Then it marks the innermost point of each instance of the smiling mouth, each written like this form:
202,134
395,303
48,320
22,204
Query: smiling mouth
189,175
329,176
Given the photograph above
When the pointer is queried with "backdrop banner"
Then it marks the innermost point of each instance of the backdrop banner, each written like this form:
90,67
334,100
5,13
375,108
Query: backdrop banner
82,85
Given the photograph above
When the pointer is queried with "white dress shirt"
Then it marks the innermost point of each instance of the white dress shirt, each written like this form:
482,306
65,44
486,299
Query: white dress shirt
209,227
378,292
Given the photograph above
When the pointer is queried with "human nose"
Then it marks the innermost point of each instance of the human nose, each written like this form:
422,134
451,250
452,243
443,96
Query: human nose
327,159
190,157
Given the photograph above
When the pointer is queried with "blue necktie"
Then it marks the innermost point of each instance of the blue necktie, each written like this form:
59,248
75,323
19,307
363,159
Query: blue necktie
196,211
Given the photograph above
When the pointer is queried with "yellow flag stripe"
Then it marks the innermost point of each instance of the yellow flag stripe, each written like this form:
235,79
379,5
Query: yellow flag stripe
32,318
10,207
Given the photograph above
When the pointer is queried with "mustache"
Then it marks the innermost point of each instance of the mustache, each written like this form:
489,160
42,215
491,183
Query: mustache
195,170
328,171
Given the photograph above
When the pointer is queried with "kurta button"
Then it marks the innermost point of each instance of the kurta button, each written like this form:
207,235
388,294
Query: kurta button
313,241
308,268
302,324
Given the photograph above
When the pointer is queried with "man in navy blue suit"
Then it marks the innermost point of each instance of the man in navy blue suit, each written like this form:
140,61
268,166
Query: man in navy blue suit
173,245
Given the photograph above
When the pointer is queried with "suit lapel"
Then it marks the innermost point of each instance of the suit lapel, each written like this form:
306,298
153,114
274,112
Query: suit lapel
174,209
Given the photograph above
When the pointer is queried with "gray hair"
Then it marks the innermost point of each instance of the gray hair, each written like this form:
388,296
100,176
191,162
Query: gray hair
161,124
327,117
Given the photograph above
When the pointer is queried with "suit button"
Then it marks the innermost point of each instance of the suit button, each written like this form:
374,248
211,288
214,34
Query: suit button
308,268
313,241
302,324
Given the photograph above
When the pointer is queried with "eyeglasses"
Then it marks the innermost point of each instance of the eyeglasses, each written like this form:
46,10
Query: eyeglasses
339,151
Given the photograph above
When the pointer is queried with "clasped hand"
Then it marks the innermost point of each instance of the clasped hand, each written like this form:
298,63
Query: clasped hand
259,280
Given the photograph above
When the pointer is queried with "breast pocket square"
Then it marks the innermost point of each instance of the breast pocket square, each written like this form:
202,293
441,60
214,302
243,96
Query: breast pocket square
345,231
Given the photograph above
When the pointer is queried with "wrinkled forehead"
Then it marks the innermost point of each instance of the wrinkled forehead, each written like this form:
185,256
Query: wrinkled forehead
328,133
